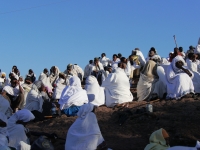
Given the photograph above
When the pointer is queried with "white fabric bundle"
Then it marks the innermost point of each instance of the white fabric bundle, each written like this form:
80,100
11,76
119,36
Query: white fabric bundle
117,88
73,94
84,133
5,106
95,93
179,83
17,132
12,91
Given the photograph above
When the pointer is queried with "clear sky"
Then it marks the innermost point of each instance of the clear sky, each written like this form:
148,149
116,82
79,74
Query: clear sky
39,34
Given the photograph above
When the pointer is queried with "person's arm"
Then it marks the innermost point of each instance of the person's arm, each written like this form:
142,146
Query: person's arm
186,71
20,88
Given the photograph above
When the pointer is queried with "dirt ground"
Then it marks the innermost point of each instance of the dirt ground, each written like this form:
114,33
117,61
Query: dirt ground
130,128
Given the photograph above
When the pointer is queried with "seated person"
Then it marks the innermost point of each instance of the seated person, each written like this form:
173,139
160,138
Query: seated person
32,75
16,127
84,133
36,97
59,85
159,140
149,86
117,88
15,93
179,79
72,97
95,93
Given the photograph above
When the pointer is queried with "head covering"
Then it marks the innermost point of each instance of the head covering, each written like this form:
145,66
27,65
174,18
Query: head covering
157,141
2,74
175,60
73,94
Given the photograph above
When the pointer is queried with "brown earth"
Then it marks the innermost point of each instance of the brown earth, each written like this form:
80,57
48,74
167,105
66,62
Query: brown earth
130,128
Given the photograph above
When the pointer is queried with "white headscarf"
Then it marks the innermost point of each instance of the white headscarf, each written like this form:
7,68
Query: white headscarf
84,133
95,93
174,61
73,94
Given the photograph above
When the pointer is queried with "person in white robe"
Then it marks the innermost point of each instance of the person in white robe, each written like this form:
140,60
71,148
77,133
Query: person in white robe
95,93
114,62
179,79
35,99
87,69
117,88
3,131
85,133
54,73
70,70
137,52
104,60
2,80
192,66
197,49
16,127
15,93
72,97
149,86
79,71
5,107
59,85
32,75
44,77
127,68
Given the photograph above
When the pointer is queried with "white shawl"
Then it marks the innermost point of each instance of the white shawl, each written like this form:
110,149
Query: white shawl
59,88
117,88
84,133
73,94
95,93
17,132
45,80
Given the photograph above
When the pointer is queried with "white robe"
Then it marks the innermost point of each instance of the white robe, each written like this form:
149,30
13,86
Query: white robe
84,133
87,70
115,64
79,71
95,93
196,79
59,88
141,57
117,88
179,83
5,106
34,100
73,94
17,132
105,61
45,80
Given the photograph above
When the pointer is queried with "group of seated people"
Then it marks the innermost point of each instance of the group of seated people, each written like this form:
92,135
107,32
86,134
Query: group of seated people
106,82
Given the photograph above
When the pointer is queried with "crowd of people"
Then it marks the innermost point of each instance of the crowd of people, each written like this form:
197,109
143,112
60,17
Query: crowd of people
104,81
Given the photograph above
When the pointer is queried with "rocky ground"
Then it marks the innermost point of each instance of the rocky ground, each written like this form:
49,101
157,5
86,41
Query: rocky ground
130,128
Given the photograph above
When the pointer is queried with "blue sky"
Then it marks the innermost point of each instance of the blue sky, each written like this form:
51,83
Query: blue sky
52,32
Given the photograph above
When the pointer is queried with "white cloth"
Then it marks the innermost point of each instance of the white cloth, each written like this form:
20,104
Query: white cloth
34,100
141,57
164,61
87,70
27,88
128,68
12,91
115,64
23,146
94,68
60,85
184,147
196,79
17,132
45,80
197,49
179,83
79,71
95,93
3,131
5,106
73,94
84,133
54,76
105,61
117,88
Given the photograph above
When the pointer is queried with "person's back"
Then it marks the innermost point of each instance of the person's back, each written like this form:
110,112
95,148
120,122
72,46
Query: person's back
117,88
